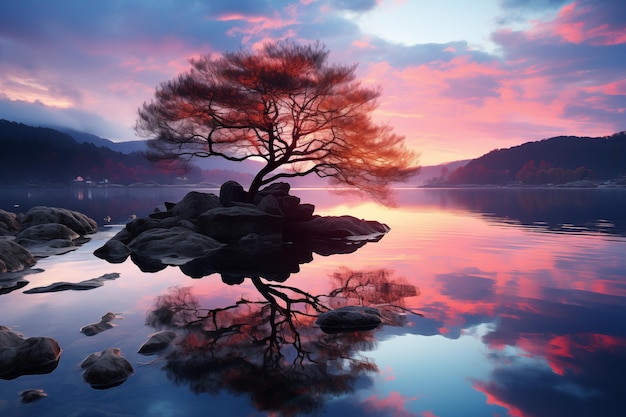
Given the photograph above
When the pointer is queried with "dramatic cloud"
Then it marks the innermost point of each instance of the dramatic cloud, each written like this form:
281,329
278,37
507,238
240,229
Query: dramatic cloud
550,67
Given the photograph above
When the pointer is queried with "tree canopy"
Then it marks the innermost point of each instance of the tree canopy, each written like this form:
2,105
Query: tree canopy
284,105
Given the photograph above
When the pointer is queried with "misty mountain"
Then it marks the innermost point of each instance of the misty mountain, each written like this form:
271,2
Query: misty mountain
123,147
205,164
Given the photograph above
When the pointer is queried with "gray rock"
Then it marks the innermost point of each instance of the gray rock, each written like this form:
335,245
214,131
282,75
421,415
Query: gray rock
194,204
19,356
106,369
78,222
14,257
45,248
174,246
349,319
8,223
114,251
46,232
231,192
157,342
229,224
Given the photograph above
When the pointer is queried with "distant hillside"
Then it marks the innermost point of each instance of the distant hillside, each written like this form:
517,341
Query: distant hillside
37,155
556,160
123,147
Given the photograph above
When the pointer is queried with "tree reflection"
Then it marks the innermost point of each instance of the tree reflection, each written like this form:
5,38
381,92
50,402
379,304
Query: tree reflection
269,348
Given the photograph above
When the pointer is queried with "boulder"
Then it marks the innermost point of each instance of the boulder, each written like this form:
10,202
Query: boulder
106,369
301,213
269,204
194,204
277,189
157,342
113,251
231,192
46,232
14,257
19,356
137,226
336,227
8,223
349,319
173,246
229,224
78,222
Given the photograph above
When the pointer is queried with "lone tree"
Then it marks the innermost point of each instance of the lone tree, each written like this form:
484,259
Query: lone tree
284,105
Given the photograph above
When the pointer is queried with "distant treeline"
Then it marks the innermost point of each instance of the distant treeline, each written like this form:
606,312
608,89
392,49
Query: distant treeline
557,160
46,156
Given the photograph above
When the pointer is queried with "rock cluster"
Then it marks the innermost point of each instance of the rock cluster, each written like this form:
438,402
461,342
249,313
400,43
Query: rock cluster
41,232
236,235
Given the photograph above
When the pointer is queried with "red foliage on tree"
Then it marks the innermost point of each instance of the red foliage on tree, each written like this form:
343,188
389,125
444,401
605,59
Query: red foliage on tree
284,105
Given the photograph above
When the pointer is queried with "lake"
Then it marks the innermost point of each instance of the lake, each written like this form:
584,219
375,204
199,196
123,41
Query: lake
495,302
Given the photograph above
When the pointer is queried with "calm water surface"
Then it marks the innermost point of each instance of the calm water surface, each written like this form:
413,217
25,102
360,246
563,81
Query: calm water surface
496,302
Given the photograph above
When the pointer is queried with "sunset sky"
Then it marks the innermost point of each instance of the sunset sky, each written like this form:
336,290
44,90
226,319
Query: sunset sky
459,78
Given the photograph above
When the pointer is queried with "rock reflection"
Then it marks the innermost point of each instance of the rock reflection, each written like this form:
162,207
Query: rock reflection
235,262
269,348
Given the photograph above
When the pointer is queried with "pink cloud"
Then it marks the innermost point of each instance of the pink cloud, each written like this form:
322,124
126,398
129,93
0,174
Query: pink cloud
394,402
578,23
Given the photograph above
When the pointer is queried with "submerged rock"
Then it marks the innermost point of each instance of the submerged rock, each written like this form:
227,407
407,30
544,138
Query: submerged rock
32,395
96,328
106,369
19,356
88,284
349,319
157,342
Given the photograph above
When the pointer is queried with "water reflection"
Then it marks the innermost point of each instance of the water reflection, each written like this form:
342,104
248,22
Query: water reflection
523,296
553,209
269,348
234,263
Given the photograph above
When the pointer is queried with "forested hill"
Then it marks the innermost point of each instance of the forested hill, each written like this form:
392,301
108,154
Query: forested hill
556,160
37,155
